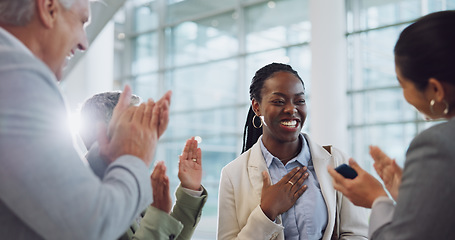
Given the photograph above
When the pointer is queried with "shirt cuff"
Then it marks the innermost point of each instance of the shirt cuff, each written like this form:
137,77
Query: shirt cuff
193,193
381,214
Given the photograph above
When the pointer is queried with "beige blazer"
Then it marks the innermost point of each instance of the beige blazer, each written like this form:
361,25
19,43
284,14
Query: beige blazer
239,213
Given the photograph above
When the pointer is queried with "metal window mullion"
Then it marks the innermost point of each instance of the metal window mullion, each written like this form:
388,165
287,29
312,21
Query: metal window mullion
242,83
162,46
128,51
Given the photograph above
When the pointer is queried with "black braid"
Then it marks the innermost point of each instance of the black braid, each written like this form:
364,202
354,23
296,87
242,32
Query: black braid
250,133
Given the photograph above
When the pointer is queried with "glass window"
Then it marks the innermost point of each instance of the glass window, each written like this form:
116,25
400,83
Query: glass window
147,86
145,15
145,57
204,86
450,4
298,57
379,113
371,59
203,40
269,25
372,13
391,138
205,103
380,106
119,61
179,10
120,68
207,52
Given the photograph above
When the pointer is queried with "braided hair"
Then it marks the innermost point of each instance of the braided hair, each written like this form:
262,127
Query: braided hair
250,133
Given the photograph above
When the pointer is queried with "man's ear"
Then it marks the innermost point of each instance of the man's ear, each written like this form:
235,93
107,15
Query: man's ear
436,90
255,106
47,11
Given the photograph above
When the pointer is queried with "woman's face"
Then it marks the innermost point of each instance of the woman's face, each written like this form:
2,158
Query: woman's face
412,95
282,106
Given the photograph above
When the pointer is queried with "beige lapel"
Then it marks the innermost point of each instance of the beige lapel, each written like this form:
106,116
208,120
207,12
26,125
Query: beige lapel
321,159
256,165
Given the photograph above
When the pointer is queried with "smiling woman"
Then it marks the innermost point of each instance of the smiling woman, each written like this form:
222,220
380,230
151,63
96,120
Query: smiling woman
424,189
301,203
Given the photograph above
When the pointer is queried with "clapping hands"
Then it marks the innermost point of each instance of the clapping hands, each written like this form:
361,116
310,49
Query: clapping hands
135,130
362,190
388,170
160,185
190,175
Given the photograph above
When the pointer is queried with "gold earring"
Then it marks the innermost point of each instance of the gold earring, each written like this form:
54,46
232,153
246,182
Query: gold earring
446,109
254,125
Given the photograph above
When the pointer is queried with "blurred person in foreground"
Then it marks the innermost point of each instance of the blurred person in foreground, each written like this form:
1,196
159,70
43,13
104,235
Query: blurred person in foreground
424,191
47,191
159,222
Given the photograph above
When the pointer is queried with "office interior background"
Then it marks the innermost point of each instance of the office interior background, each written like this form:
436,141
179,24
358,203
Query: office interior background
207,51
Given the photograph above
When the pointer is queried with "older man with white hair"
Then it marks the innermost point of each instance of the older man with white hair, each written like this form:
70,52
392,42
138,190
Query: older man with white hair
46,190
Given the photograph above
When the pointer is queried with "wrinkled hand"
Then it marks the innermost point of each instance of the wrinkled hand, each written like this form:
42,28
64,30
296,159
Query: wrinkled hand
190,166
388,170
160,186
278,198
163,119
135,130
362,190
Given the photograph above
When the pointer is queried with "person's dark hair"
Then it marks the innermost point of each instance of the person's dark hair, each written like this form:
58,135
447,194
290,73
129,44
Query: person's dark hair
426,49
99,108
250,133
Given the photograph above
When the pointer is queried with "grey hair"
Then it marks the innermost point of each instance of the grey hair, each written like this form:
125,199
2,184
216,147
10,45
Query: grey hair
20,12
99,109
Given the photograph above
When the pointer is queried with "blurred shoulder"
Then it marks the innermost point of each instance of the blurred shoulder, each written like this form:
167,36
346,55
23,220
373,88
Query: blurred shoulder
436,142
437,133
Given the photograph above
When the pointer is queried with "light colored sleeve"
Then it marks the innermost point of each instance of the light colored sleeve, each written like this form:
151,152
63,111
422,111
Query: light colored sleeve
381,213
258,225
424,207
43,179
193,193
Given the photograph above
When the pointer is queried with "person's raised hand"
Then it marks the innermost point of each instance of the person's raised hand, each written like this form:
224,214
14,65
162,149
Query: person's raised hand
135,130
388,170
124,102
190,165
362,190
105,132
160,186
280,197
162,119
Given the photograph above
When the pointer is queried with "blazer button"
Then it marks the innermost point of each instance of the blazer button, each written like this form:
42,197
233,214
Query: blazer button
171,237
